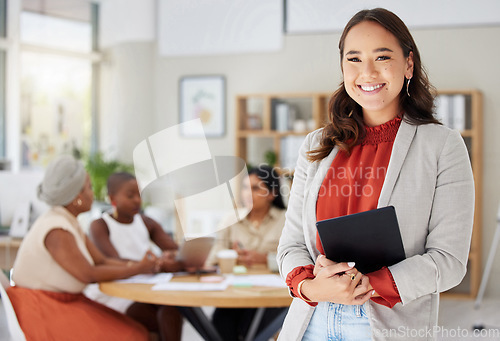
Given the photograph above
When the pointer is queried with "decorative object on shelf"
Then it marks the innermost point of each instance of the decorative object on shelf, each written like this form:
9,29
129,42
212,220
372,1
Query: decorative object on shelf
254,122
203,97
300,126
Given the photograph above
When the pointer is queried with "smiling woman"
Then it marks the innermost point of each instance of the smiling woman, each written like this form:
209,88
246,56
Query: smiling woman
374,71
380,120
346,111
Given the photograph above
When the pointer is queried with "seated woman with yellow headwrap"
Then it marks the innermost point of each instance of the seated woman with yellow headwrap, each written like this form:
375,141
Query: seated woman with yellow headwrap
56,261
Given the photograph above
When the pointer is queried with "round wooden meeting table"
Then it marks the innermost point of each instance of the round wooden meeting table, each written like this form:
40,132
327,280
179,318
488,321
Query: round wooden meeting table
190,302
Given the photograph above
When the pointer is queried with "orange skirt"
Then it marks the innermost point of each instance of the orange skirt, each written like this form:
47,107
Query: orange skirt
45,315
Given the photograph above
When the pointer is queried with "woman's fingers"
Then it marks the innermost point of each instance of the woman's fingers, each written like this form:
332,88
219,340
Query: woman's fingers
336,269
323,261
359,284
361,299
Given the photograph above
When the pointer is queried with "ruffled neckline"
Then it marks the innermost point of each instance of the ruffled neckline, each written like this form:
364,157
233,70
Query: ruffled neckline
385,132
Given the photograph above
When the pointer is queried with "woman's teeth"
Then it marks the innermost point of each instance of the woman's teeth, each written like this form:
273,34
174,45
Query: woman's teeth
371,88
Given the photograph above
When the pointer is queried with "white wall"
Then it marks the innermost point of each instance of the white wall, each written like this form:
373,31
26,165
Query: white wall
460,58
127,98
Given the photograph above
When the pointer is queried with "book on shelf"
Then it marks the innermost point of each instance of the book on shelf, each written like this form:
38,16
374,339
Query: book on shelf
283,116
458,109
451,111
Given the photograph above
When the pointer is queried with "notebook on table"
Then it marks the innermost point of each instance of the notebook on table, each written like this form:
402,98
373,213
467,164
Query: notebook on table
371,239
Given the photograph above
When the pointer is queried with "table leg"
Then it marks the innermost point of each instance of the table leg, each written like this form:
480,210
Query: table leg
272,327
255,324
201,323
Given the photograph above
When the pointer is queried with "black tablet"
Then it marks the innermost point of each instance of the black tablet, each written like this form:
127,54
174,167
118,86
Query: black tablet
371,239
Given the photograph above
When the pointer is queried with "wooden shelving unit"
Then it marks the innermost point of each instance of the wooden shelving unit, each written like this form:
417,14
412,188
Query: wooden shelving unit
255,121
256,118
473,137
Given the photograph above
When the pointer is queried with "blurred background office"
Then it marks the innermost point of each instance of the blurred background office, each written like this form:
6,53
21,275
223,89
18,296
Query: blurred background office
95,78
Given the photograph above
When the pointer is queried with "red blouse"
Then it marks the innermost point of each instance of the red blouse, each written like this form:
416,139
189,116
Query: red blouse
353,184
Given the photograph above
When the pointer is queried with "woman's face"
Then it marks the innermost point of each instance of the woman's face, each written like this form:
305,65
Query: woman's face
255,193
127,198
374,70
86,195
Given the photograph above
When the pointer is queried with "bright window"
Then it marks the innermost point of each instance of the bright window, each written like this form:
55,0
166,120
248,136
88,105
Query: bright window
55,106
43,30
56,85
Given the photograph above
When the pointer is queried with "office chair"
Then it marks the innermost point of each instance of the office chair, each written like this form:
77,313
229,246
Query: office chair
16,333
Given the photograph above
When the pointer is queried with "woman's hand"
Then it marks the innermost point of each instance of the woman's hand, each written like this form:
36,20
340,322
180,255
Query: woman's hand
147,263
249,257
168,262
333,283
322,262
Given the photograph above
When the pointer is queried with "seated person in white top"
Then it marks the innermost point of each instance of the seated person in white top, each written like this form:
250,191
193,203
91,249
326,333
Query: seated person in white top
126,234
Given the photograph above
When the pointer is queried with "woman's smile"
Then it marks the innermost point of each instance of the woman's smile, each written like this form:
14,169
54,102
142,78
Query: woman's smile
371,89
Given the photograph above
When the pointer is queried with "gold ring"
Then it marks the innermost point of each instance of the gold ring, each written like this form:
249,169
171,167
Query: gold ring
353,276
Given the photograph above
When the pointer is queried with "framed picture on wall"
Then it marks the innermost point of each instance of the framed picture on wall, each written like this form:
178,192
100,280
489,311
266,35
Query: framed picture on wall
204,98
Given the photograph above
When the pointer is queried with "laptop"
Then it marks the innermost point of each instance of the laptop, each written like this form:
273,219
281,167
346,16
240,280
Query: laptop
194,252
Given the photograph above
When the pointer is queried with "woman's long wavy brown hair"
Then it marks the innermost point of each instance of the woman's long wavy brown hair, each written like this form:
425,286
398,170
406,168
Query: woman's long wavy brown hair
345,128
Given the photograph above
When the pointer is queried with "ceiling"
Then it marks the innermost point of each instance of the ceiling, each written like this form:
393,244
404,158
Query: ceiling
68,9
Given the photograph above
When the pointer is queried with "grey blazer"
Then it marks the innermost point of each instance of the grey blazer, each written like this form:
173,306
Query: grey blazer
429,182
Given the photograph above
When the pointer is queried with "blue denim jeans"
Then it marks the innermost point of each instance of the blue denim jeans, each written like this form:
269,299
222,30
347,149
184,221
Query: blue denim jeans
332,321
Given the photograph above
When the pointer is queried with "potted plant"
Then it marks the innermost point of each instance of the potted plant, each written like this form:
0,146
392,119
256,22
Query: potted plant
99,169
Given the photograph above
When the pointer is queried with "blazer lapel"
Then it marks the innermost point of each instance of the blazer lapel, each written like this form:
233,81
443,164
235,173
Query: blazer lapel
400,149
317,172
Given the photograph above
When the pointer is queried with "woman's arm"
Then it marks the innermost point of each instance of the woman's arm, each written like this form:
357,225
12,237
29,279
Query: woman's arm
444,263
168,261
99,234
100,258
158,235
292,249
63,248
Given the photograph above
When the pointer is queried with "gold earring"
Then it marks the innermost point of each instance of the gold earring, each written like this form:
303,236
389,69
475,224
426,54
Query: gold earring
407,87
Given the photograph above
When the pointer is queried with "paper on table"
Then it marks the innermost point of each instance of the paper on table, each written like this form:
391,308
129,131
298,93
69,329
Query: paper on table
148,279
189,286
257,280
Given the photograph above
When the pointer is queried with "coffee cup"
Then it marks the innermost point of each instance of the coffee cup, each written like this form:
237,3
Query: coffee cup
227,260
